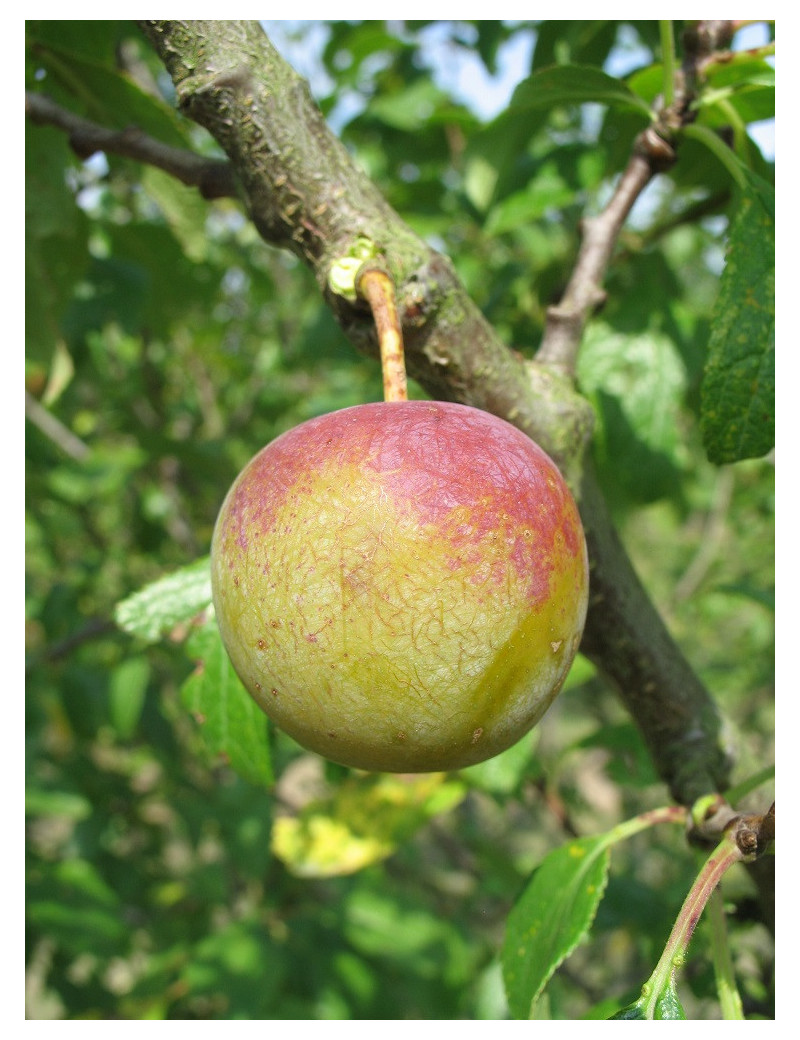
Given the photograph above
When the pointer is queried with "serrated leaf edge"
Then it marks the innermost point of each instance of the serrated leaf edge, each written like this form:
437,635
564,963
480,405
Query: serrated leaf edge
603,850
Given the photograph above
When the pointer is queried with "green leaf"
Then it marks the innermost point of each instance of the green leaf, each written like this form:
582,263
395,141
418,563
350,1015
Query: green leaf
738,390
241,961
574,85
99,92
752,104
231,724
165,281
629,763
409,109
645,374
184,210
665,1007
157,608
632,1011
668,1007
557,907
647,83
548,191
637,384
575,41
494,152
127,691
740,70
383,922
551,917
73,904
504,773
56,253
69,804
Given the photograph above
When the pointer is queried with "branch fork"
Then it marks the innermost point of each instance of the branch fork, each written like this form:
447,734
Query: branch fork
303,192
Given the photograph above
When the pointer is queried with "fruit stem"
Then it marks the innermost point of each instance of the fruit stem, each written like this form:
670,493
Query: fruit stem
377,289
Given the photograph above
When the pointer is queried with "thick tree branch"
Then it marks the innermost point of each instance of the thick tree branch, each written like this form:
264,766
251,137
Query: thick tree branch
304,192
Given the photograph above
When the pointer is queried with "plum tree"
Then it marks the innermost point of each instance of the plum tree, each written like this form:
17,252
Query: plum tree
165,344
401,586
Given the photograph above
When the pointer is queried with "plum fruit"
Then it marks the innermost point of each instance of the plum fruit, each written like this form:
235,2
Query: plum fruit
401,586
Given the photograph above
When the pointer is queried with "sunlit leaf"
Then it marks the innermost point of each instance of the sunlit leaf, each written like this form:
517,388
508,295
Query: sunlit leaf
156,609
408,109
551,917
738,393
548,191
362,822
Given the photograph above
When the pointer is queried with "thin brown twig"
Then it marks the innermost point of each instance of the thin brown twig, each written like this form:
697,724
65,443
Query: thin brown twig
567,320
652,153
710,542
213,177
95,628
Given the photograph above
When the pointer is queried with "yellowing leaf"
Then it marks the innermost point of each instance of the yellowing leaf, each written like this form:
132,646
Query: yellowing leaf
361,822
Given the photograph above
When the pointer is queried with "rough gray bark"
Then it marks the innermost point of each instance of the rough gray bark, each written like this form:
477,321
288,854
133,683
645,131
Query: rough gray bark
304,192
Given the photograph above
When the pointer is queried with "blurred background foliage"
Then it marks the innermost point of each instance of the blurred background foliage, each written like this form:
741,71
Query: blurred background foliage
165,344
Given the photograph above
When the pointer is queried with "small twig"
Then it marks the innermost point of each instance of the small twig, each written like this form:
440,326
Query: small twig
652,153
54,429
95,628
710,541
668,60
566,321
721,860
213,177
755,832
700,40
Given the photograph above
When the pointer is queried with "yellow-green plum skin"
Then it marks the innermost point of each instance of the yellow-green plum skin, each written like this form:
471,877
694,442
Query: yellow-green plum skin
401,586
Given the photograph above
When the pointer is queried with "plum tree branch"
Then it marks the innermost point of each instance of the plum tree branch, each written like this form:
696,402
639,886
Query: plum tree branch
213,177
567,319
304,192
652,154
